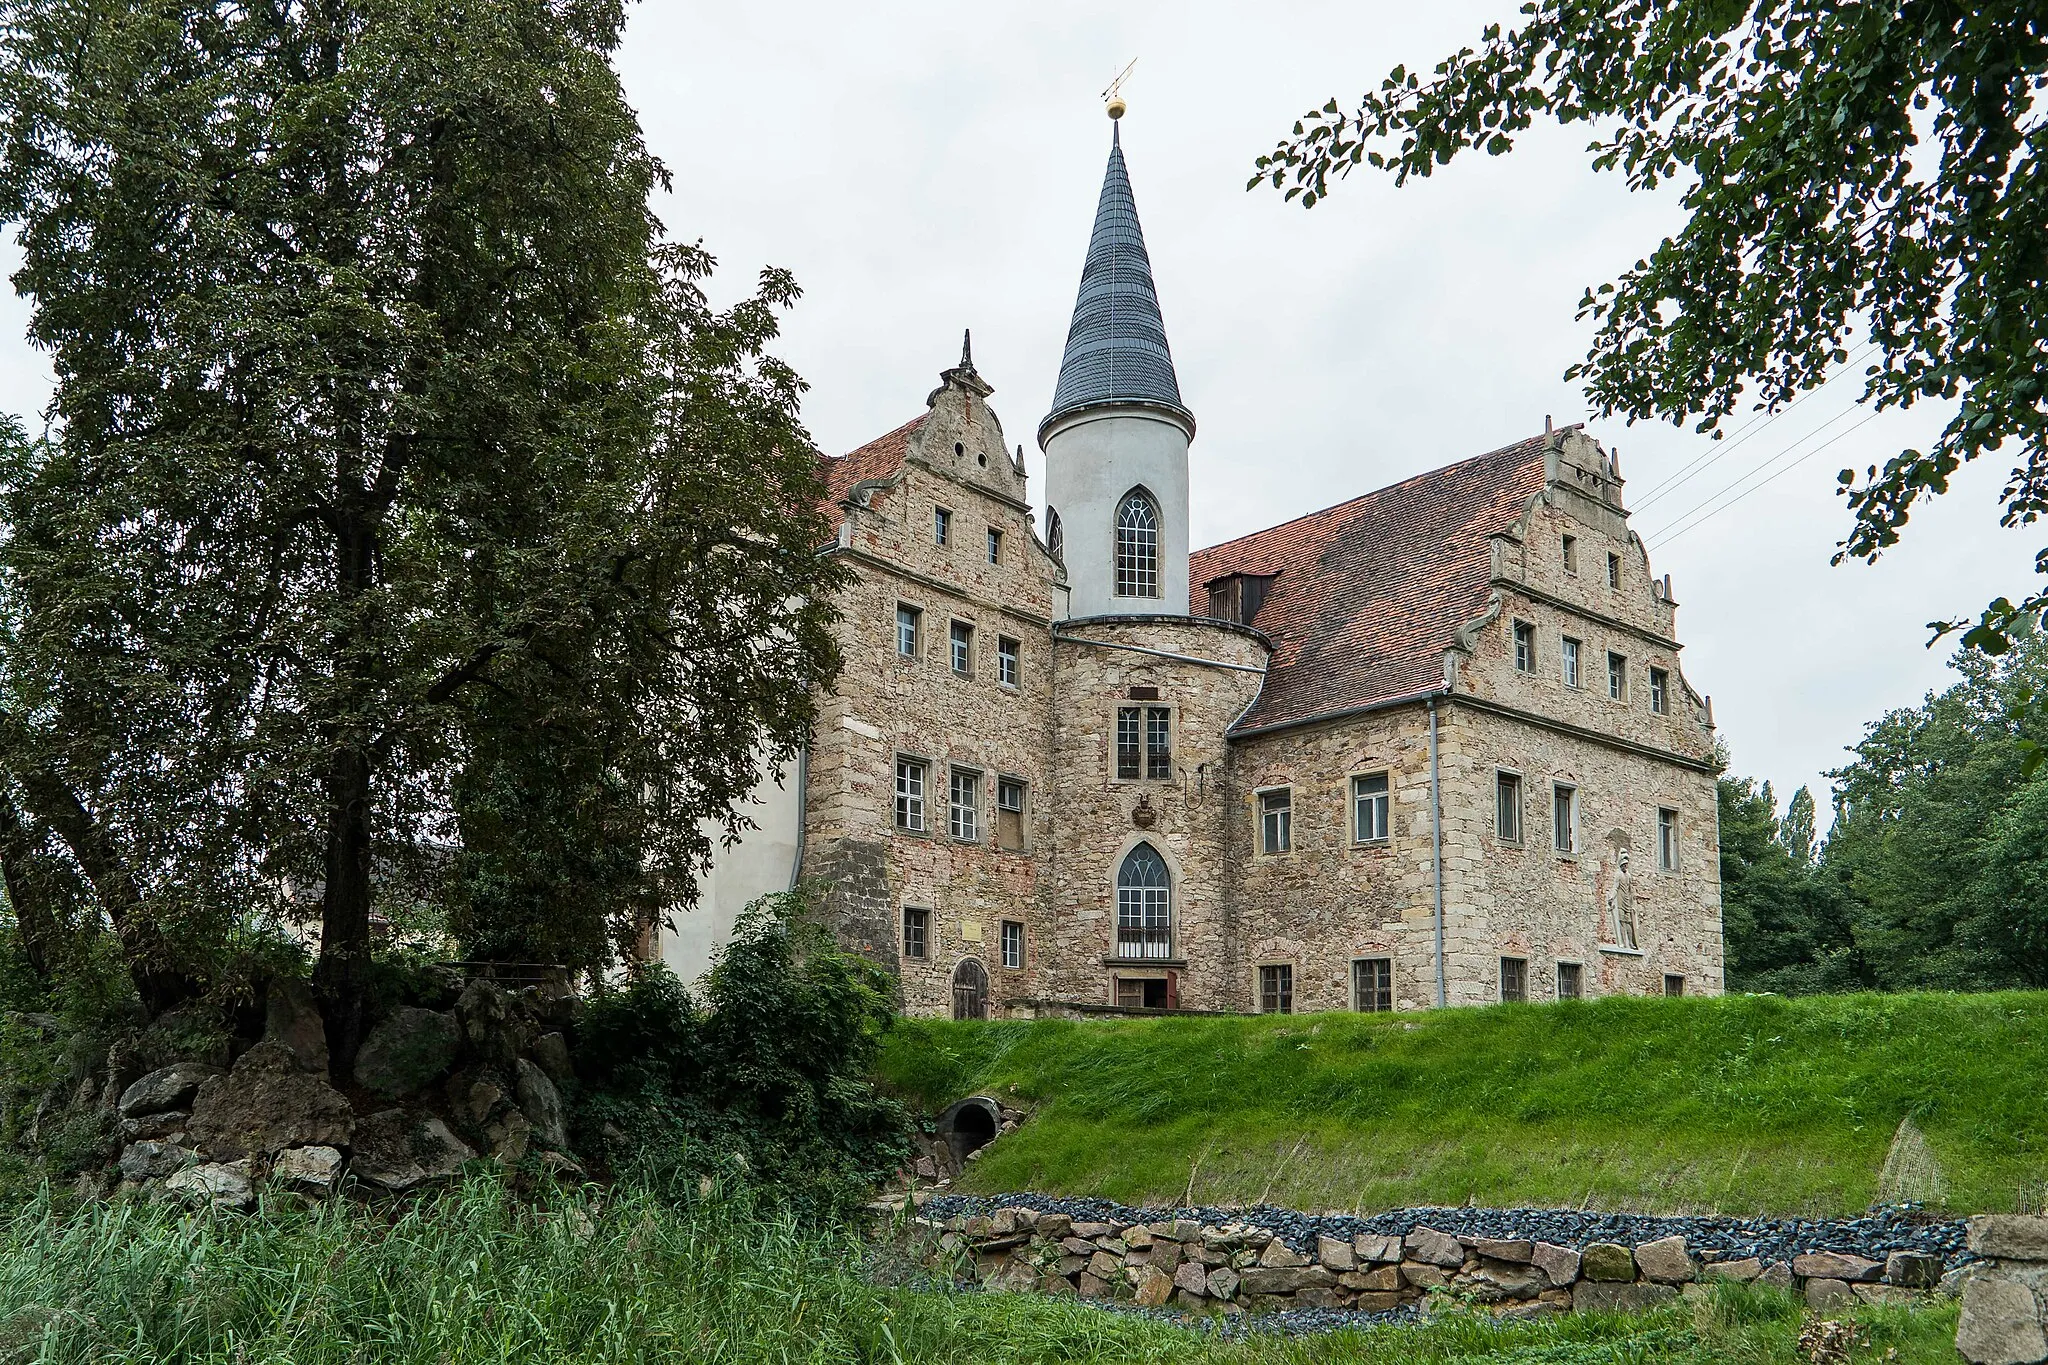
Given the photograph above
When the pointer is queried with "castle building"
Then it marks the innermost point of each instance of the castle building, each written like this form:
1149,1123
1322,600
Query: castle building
1429,746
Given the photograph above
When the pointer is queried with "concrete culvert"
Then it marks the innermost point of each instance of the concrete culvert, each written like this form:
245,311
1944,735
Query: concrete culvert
970,1125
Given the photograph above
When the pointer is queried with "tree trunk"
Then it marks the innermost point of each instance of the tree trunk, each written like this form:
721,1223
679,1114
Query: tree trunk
345,908
41,939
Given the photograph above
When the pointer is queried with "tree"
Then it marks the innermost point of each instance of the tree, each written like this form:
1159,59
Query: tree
1785,927
1815,211
397,460
1796,831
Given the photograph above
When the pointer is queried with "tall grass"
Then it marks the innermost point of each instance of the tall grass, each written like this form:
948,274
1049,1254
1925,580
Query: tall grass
1742,1104
474,1276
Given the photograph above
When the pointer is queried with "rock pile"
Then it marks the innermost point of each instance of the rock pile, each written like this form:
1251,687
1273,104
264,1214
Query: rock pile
2005,1294
1230,1265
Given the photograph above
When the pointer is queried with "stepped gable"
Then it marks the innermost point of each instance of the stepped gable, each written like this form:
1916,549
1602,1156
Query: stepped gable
878,459
1371,592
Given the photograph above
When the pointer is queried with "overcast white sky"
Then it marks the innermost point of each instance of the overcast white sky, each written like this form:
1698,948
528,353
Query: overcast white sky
928,167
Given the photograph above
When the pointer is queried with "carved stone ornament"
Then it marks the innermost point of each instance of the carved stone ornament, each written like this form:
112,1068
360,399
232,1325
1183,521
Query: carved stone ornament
1143,816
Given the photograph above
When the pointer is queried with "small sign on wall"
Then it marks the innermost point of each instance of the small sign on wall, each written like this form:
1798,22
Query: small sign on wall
970,930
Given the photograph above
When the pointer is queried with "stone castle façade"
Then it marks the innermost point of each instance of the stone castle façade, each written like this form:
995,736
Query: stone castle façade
1431,745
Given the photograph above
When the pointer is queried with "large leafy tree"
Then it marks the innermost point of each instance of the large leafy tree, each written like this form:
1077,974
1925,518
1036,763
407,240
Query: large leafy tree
1786,927
409,519
1845,168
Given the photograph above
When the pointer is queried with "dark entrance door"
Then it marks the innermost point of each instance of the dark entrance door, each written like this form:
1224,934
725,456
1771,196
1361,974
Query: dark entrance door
970,990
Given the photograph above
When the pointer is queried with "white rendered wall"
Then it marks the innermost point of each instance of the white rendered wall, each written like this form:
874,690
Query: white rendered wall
1091,460
760,864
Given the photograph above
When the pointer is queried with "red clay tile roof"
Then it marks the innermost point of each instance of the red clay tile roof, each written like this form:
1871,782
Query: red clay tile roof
1371,592
878,459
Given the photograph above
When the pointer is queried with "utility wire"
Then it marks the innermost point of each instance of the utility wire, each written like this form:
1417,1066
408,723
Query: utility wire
1683,527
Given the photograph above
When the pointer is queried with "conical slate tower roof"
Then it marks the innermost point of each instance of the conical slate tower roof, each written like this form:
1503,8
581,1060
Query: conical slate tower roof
1116,346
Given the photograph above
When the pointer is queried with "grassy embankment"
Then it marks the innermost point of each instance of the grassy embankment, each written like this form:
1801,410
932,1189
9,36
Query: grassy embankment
1741,1105
472,1278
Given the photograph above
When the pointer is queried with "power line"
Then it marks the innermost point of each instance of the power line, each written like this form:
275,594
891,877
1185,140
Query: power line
1689,526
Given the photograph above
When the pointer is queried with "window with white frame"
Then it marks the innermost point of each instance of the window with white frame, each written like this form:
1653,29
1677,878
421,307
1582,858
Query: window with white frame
1525,647
942,526
1507,807
1617,676
1276,820
1564,817
1009,655
1660,691
962,645
1571,662
995,546
910,794
1137,545
963,805
1010,814
1013,945
909,624
1369,808
1667,839
1158,743
1144,743
917,926
1144,906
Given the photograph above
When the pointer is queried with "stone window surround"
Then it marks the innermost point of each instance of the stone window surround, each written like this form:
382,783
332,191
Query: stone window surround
930,918
1519,630
1557,973
1612,656
1016,654
953,624
1173,740
1566,852
1351,809
1023,814
942,526
1293,983
977,778
923,636
1259,850
1568,553
1003,928
926,765
1672,868
1125,966
1571,661
1388,956
1521,816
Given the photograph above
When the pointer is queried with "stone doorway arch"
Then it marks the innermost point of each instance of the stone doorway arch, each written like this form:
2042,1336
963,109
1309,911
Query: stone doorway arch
970,990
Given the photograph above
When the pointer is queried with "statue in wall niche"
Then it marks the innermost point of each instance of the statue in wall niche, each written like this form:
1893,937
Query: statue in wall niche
1621,906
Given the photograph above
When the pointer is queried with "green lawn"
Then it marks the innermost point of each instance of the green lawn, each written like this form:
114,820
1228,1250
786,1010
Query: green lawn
474,1278
1739,1105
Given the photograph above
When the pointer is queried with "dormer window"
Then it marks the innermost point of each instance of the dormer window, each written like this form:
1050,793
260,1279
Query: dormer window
1137,545
1238,597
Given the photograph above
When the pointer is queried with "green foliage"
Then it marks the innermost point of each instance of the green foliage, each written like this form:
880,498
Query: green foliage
475,1278
1785,923
1738,1104
767,1079
1815,209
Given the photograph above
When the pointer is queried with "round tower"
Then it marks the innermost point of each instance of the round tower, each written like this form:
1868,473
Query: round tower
1116,440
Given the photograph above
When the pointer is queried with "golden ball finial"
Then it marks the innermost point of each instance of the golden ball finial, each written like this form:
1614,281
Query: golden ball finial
1116,107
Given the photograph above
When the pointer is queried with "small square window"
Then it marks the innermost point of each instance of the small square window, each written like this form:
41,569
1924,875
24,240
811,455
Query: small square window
1571,662
1660,691
995,546
1507,807
1372,985
1564,817
1570,981
1013,945
916,931
909,625
1276,989
963,805
1369,808
1614,571
1667,839
910,794
1617,676
1010,814
1571,554
1514,979
963,649
1525,647
1008,659
942,526
1276,821
1674,985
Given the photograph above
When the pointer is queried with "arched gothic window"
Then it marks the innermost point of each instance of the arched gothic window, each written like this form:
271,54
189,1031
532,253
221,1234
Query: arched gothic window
1144,905
1055,538
1137,545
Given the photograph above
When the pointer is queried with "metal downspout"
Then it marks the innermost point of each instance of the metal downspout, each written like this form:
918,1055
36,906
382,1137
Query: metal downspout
1436,834
803,811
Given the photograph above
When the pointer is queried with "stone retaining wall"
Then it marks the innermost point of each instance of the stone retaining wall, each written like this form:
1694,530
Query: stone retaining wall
1232,1266
2005,1294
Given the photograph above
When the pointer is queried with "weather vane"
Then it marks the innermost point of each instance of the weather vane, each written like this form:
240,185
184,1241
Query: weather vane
1112,96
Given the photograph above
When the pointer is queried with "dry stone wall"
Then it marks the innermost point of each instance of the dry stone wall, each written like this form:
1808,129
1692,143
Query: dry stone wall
2005,1297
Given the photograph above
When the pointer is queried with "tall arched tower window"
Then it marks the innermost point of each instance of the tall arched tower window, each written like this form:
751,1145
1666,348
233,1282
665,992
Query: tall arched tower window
1144,905
1137,545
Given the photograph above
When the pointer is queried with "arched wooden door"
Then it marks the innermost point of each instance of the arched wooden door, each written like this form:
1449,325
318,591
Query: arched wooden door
970,990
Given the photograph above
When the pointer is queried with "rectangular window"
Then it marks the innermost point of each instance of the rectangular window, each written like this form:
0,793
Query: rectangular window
909,621
963,649
995,546
1276,821
1507,807
1570,981
1013,945
910,794
1660,691
1008,655
916,928
1514,979
1276,990
1369,808
1564,817
942,526
1617,676
1614,571
1525,647
1158,743
1571,662
1571,554
1372,984
1667,839
1128,748
1674,985
963,805
1010,814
